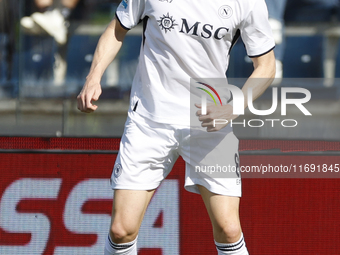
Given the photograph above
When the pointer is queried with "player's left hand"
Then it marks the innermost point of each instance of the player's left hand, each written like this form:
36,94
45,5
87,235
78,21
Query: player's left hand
217,117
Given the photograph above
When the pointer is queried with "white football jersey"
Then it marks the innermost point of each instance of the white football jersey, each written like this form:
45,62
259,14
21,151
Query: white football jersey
185,39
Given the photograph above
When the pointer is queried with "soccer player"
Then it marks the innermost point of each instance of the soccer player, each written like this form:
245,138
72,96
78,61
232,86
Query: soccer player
182,40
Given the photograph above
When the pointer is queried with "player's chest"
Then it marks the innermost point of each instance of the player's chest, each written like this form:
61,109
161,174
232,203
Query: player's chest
216,19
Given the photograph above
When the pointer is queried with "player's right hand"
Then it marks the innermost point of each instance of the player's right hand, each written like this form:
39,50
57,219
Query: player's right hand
89,94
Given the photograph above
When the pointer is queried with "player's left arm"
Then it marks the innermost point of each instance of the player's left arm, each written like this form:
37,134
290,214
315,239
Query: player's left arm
258,82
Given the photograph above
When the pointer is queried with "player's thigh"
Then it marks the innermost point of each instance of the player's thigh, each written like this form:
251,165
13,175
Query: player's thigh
128,210
224,215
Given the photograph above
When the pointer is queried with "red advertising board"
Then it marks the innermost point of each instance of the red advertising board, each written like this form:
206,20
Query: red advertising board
59,202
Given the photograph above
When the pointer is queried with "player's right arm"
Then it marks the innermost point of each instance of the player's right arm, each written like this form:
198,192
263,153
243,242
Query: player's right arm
108,46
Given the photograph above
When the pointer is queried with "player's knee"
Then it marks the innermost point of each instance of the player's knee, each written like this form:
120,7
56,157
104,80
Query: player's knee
120,234
117,233
230,233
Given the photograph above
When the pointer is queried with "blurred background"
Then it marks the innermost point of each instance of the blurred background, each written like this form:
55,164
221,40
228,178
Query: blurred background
46,49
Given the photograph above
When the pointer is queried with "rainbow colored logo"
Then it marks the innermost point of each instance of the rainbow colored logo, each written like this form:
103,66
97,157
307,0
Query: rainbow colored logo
209,93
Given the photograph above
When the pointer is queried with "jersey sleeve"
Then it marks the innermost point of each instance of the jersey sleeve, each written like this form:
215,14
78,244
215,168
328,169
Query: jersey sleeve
256,32
130,12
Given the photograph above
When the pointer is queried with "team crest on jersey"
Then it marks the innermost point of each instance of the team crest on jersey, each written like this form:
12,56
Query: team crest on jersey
167,23
225,12
117,170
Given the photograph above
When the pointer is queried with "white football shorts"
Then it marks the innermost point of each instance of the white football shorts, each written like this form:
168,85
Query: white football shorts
148,150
